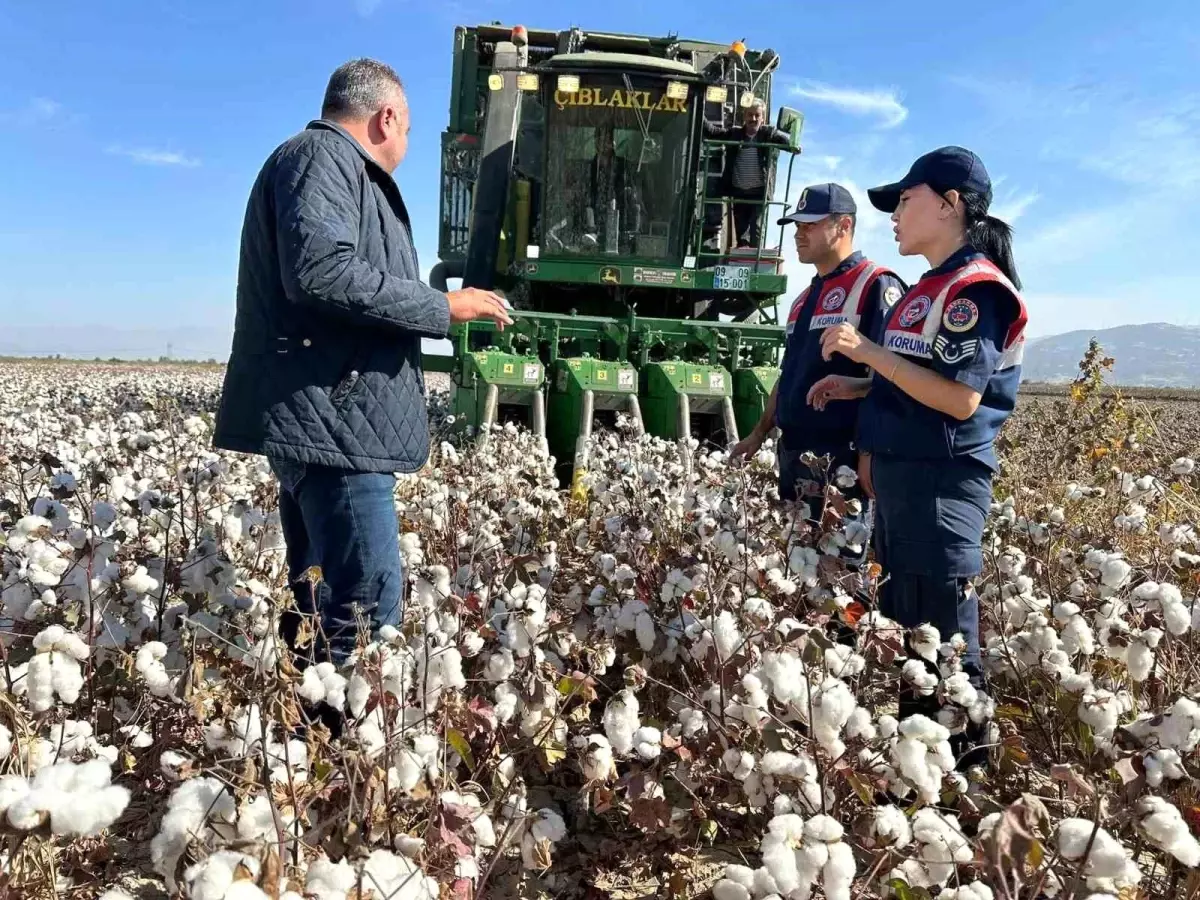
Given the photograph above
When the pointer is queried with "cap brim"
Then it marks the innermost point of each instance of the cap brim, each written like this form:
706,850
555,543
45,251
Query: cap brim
806,218
887,197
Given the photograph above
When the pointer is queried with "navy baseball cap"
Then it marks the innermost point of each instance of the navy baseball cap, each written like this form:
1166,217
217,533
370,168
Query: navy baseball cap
819,201
944,169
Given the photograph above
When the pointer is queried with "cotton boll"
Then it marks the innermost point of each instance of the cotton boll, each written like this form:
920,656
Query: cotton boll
621,721
837,876
1161,763
916,673
890,827
327,880
149,665
1107,857
1165,827
726,889
647,742
974,891
500,666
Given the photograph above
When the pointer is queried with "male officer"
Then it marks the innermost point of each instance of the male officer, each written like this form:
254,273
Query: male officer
847,288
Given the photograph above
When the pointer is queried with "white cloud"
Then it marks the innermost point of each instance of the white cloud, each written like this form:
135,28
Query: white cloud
1013,205
882,104
152,157
38,111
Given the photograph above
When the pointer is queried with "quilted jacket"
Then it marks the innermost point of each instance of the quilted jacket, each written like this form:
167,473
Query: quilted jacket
325,366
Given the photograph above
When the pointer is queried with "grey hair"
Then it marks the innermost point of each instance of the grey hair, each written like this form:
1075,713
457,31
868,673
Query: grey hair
758,103
360,88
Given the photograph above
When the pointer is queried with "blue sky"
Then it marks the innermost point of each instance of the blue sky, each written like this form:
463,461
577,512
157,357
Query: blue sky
130,133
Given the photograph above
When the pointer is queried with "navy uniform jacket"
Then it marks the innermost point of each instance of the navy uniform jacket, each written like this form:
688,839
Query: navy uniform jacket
858,291
965,321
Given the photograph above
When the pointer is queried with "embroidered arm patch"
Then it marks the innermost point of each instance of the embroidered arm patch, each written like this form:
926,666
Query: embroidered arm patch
954,352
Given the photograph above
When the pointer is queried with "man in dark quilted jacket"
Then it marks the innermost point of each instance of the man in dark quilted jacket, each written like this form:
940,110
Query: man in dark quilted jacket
324,376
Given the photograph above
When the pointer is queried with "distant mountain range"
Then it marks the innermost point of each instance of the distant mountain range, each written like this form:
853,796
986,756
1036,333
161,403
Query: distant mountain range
1151,355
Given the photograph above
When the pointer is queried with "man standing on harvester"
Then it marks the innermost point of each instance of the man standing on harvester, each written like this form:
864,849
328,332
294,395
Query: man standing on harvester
847,288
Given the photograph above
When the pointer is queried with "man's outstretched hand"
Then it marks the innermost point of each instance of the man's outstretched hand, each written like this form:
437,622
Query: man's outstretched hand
746,447
470,304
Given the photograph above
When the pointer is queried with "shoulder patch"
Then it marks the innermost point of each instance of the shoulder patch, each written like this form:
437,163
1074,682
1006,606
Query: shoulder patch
961,315
914,311
952,352
891,295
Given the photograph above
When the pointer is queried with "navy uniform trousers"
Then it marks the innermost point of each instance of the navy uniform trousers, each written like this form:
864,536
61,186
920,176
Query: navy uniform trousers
928,532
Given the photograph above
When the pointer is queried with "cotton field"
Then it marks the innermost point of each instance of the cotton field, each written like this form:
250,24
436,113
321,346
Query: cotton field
661,683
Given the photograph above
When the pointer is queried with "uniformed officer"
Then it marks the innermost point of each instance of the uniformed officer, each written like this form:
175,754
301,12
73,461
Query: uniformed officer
848,288
945,379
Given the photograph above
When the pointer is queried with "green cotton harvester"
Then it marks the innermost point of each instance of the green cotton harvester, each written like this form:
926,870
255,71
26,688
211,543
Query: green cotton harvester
639,302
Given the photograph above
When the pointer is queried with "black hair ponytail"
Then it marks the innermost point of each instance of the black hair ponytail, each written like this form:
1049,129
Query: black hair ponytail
990,236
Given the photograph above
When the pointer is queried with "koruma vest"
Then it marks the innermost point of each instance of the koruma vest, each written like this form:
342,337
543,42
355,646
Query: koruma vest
914,325
843,298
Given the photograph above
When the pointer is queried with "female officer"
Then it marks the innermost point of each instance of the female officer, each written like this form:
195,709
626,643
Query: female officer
944,380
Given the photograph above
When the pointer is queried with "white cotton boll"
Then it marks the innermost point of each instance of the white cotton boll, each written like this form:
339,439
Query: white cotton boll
890,827
647,742
726,635
784,833
621,720
327,880
1107,857
845,477
1161,763
738,763
925,641
5,742
725,889
916,673
975,891
860,726
149,665
1165,826
78,799
358,694
832,706
396,877
470,644
1115,572
837,876
1183,466
1101,710
500,666
213,876
1139,659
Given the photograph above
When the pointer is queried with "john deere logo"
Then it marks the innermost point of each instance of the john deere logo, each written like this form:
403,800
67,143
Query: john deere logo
610,275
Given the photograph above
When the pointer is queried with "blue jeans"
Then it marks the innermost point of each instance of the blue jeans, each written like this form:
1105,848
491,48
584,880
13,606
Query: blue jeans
345,522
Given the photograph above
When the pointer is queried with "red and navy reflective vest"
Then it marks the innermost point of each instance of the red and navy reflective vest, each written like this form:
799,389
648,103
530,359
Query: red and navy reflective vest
850,293
966,321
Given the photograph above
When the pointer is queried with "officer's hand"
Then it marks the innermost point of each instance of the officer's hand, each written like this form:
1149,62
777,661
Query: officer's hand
864,474
746,447
844,339
831,387
469,304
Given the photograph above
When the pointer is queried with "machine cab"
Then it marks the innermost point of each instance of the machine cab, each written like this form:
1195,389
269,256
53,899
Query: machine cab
619,144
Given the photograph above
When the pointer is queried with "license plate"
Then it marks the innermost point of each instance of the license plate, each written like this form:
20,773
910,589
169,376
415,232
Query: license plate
731,278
